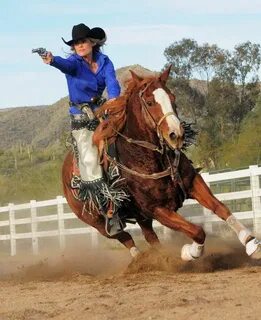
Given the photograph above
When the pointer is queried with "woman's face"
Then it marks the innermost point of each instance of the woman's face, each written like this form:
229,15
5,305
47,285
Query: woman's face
83,47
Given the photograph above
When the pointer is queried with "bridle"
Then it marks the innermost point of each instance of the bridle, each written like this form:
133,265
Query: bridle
146,108
146,144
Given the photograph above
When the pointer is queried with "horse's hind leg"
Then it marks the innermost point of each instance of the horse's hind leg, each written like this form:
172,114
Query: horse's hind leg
148,232
173,220
201,192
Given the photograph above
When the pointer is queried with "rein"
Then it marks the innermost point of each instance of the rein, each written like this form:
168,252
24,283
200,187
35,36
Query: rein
153,176
141,143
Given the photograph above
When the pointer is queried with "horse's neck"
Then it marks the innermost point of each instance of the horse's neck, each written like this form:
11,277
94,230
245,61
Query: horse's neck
136,126
136,129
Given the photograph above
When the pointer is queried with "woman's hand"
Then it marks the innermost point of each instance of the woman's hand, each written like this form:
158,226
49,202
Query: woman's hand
48,58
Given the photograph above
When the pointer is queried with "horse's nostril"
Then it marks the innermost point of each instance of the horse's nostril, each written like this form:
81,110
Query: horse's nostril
172,136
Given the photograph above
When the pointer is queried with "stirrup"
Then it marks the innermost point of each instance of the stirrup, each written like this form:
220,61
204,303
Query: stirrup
114,225
110,210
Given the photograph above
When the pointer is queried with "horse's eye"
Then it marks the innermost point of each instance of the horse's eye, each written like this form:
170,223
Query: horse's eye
149,103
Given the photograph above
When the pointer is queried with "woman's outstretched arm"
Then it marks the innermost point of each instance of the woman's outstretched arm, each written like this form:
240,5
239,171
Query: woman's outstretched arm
67,66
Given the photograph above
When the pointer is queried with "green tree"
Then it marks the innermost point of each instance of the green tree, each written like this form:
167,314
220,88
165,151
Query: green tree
227,95
246,63
246,148
181,55
208,59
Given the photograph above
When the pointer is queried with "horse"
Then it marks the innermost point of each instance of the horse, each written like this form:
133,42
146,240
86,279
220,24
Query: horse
157,174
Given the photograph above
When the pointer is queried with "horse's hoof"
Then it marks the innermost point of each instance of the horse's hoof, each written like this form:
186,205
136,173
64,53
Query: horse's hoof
134,252
253,248
185,254
192,251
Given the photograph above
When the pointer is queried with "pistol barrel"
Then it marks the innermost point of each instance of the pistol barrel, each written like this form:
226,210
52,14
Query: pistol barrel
40,51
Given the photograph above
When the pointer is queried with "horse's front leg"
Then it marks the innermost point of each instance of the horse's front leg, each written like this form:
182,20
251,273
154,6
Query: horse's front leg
173,220
201,192
148,232
123,237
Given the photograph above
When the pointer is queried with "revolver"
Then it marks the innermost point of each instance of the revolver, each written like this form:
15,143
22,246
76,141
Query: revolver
41,51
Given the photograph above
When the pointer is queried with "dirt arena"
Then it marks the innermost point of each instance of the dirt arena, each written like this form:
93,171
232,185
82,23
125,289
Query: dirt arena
106,284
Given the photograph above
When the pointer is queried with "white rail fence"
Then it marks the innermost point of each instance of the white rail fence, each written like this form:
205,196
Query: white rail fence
32,216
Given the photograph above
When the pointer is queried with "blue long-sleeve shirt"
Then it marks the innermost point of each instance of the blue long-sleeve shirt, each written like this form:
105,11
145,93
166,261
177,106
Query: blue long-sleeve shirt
83,83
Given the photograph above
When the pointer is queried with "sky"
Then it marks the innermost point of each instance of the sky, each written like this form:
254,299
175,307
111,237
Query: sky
138,31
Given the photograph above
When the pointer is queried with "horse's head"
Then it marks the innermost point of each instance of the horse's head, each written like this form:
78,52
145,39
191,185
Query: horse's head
158,108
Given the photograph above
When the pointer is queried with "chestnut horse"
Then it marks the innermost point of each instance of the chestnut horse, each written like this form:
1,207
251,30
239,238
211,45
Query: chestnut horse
157,173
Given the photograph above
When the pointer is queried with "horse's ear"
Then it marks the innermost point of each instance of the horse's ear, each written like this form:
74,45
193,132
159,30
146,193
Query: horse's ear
135,77
165,74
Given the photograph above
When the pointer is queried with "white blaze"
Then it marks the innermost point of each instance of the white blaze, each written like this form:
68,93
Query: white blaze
162,98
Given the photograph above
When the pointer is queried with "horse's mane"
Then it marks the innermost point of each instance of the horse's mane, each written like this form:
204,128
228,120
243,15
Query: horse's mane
112,115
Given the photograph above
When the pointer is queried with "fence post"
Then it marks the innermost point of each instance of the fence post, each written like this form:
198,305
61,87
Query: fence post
60,212
208,227
256,199
35,244
12,228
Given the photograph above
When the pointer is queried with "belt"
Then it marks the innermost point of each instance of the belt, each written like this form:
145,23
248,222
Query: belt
81,121
94,102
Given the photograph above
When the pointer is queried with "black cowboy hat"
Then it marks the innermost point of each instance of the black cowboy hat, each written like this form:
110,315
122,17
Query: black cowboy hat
81,31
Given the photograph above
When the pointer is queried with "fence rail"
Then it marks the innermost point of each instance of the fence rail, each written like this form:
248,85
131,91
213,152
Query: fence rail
34,219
